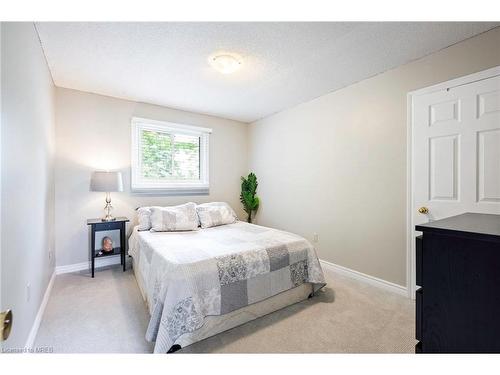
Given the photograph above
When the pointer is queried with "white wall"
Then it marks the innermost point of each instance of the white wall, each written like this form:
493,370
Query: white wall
27,181
93,132
337,165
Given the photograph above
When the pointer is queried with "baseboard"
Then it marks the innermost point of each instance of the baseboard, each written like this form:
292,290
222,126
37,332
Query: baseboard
104,262
39,315
372,280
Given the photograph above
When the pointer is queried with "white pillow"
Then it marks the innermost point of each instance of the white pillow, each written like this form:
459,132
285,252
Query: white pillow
176,218
144,218
215,213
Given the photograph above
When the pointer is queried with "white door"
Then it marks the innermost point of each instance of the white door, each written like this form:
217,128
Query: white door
456,151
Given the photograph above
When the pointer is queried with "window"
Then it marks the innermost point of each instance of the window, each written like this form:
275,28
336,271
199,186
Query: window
169,158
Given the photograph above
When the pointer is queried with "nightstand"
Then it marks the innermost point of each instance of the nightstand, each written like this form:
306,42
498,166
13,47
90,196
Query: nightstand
110,236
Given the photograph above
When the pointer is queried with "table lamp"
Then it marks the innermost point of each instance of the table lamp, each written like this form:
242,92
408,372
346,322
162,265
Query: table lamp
106,182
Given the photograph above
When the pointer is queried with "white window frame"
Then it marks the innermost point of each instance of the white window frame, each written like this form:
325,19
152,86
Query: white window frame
140,185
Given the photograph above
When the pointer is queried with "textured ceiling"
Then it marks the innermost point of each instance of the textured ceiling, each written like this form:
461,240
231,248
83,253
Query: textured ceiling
284,64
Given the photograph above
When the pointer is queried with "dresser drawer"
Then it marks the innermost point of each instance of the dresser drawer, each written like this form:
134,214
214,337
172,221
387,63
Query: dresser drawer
418,311
418,260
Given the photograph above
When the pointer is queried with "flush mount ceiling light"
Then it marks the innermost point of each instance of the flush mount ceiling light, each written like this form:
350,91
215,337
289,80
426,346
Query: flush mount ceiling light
225,63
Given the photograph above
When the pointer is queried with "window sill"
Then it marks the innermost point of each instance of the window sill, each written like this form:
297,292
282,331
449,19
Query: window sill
171,191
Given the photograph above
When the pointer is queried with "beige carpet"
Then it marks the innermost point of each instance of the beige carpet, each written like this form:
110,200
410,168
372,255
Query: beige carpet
107,315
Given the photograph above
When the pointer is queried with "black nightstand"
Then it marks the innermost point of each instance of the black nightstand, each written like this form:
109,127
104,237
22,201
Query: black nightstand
114,231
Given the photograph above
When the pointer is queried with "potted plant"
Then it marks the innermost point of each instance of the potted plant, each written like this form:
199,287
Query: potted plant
247,197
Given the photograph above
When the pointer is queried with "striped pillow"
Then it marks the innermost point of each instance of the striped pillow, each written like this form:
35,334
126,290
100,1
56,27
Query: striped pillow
175,218
215,213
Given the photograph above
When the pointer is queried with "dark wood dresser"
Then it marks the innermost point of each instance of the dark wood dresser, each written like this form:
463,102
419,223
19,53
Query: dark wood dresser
458,272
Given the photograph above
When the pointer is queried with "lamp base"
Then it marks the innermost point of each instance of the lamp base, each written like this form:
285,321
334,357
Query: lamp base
107,209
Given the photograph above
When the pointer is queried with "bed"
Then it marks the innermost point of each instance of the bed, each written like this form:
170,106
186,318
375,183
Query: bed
199,283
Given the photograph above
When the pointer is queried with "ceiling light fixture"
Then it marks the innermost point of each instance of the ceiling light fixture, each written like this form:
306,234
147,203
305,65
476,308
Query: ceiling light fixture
225,63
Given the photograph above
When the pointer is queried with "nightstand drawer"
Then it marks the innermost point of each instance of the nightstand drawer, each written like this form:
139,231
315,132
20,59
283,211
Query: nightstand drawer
108,225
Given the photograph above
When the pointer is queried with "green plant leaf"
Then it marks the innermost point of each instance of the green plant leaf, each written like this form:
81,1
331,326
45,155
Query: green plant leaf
248,198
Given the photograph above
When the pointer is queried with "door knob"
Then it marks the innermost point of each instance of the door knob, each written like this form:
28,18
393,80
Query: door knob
5,324
423,210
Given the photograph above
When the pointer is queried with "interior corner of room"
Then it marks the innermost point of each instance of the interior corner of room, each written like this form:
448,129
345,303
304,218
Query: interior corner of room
333,169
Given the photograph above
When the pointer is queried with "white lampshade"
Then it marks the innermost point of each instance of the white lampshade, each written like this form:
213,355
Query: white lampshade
106,181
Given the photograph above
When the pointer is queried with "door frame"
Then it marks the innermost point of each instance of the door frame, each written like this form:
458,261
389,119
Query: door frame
410,244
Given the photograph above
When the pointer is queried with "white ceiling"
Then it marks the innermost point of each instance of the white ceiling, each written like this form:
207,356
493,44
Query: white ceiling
284,64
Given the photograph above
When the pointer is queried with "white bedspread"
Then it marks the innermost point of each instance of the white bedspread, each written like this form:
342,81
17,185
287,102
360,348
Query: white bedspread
213,271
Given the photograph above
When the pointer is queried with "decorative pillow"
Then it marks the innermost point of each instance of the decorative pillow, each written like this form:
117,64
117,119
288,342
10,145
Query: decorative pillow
215,213
144,218
176,218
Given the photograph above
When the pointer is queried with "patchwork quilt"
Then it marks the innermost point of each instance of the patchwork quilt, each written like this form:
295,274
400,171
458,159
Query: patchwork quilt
188,276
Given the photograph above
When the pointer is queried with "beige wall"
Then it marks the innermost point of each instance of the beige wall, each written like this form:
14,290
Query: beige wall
93,132
27,190
337,165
